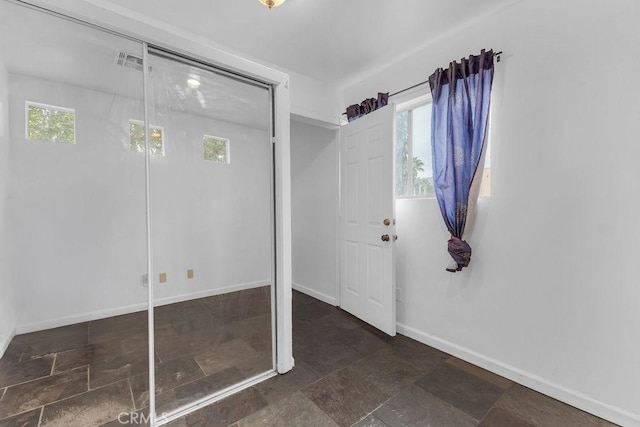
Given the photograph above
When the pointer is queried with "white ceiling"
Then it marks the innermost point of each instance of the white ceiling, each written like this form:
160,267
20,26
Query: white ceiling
333,41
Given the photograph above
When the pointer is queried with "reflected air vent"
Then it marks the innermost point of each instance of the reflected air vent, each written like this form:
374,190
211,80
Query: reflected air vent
129,60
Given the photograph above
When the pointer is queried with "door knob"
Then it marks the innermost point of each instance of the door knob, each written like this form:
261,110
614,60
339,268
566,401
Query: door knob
387,222
395,237
385,237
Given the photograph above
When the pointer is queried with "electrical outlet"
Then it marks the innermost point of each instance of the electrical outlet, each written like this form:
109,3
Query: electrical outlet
163,277
189,274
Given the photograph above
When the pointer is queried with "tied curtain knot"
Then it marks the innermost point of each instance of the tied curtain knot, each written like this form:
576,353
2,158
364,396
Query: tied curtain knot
460,251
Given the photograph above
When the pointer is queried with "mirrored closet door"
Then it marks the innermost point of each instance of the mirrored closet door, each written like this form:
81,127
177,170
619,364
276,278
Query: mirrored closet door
127,173
73,223
212,245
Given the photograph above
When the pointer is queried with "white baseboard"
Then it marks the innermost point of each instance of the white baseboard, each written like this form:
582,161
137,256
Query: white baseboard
5,341
132,308
315,294
542,385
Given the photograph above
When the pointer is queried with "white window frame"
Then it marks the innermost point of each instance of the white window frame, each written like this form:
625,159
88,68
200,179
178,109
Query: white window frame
141,123
413,103
28,104
227,144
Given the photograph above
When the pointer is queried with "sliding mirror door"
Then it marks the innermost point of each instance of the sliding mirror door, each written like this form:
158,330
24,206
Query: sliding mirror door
212,229
73,229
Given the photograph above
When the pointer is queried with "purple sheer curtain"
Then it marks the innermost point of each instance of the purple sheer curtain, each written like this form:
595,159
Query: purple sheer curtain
461,96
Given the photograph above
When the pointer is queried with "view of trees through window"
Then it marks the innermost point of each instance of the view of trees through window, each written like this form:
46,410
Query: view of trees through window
137,142
216,149
413,170
49,123
413,163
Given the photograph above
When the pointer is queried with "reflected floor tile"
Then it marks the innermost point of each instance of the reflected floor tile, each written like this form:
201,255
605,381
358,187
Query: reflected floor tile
225,355
198,389
295,410
27,370
169,375
33,394
118,368
542,410
39,343
90,409
26,419
71,359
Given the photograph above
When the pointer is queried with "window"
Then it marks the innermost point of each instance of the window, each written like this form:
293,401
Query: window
216,149
137,142
414,173
413,161
50,123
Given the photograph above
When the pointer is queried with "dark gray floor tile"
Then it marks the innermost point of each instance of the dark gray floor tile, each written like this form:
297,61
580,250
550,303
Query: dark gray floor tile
420,355
295,410
346,396
370,421
281,386
225,412
91,408
33,394
324,354
169,375
26,419
415,407
542,410
388,371
498,417
483,374
27,370
462,390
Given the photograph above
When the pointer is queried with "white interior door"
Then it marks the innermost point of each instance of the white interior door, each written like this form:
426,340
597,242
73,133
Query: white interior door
367,228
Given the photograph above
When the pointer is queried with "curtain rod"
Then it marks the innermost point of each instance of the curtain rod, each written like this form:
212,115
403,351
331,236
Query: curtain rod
497,55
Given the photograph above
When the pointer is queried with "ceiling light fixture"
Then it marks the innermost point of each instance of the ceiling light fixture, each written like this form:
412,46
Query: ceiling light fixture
271,3
193,83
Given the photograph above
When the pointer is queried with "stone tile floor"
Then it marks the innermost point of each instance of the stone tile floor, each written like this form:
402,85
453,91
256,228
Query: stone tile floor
346,374
87,374
349,374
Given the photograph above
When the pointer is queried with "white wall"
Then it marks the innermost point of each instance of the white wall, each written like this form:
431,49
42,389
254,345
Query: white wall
551,298
314,100
314,195
7,320
78,211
